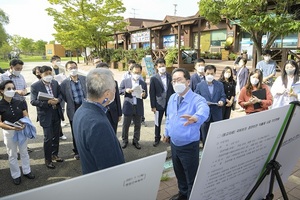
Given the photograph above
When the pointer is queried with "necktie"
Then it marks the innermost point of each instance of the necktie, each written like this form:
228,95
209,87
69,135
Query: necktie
179,100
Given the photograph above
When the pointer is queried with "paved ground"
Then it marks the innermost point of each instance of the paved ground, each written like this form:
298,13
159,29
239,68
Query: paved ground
71,168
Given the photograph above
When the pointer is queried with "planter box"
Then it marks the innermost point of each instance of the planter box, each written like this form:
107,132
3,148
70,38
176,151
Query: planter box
225,54
113,65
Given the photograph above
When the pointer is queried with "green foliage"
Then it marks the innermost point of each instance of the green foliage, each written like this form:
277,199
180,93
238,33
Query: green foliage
232,56
4,51
39,47
4,19
86,23
171,56
27,45
253,17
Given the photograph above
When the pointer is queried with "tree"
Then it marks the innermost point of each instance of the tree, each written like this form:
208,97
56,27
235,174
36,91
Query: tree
15,42
39,47
257,17
27,45
84,23
5,49
4,19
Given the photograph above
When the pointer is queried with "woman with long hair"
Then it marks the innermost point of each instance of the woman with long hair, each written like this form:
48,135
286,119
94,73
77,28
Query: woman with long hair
249,98
229,88
282,90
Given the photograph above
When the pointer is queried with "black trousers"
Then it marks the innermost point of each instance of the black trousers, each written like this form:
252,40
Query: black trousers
71,124
51,136
137,121
157,128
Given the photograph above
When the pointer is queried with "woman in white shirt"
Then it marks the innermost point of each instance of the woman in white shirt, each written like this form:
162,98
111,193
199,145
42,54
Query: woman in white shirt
282,90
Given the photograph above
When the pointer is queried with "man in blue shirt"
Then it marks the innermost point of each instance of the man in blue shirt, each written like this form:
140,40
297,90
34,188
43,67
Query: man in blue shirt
268,67
186,112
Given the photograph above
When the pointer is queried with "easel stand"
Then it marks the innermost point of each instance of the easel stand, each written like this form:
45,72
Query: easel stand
273,166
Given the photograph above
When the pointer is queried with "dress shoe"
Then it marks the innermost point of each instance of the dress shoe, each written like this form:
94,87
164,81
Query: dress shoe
49,164
29,176
124,145
156,143
136,145
178,197
17,181
76,157
57,159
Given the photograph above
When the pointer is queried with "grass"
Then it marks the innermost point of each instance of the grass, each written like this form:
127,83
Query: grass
165,177
5,64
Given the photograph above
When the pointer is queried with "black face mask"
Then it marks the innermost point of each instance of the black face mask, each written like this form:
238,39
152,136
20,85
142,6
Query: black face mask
38,76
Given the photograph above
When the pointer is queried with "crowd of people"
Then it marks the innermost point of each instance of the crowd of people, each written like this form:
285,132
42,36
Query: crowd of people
94,109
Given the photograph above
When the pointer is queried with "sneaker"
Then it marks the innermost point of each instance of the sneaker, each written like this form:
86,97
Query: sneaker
144,123
63,137
63,124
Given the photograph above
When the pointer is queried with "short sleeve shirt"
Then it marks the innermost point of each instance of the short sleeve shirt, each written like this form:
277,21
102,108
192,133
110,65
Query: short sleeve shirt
11,111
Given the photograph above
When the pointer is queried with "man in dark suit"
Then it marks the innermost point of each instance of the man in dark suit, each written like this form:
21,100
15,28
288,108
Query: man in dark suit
49,114
160,91
73,91
133,106
114,110
213,91
199,75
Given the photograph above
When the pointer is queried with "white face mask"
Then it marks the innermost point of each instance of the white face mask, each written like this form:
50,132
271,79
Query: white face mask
179,88
267,58
136,76
253,80
241,64
73,72
209,78
16,73
200,69
9,93
227,75
162,70
290,71
48,78
58,63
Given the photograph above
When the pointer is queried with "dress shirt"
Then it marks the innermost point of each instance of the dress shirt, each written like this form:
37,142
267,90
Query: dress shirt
164,80
192,104
77,91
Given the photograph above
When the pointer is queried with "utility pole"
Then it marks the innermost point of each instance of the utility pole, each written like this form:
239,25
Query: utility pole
134,9
175,5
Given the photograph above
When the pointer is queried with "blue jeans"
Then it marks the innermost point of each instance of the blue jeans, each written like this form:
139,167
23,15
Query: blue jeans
185,163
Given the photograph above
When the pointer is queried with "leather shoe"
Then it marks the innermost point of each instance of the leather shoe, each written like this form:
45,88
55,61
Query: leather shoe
124,145
156,143
136,145
178,197
76,157
57,159
17,181
29,176
50,165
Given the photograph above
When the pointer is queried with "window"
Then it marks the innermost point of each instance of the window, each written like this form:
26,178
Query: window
218,37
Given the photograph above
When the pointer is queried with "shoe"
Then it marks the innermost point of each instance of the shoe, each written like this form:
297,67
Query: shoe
76,157
29,150
57,159
29,176
63,124
178,197
136,145
63,137
17,181
49,164
144,123
156,143
124,145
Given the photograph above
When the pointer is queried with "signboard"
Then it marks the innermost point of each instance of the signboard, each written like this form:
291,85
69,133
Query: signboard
235,153
140,36
134,180
148,63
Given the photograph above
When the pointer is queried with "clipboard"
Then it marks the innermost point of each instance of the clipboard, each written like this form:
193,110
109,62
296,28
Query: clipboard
261,94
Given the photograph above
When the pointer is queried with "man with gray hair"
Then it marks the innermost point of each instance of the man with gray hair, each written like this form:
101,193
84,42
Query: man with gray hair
97,144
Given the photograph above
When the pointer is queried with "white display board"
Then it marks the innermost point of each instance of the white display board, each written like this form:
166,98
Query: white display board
235,153
135,180
288,155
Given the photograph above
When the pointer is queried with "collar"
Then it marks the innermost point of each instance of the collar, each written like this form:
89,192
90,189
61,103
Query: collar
97,104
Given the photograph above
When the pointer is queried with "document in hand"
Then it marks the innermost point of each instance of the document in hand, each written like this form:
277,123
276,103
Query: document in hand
15,124
137,91
60,78
260,94
42,96
296,87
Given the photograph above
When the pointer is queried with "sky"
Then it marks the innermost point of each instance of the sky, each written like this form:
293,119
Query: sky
29,19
